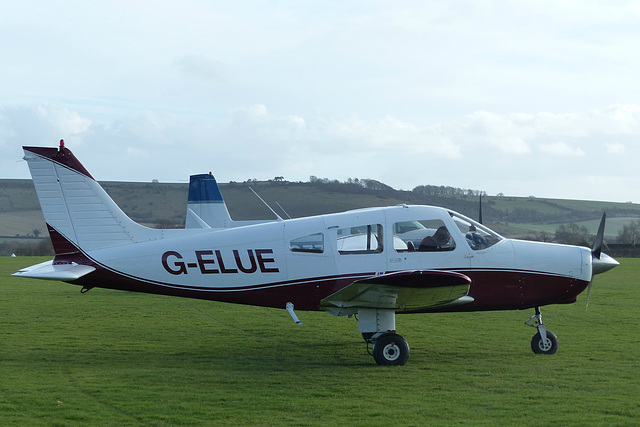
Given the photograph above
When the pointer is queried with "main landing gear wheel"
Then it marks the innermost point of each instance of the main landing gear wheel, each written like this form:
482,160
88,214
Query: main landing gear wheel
390,350
544,346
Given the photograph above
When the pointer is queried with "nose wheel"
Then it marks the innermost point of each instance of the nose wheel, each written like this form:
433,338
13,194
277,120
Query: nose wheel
543,342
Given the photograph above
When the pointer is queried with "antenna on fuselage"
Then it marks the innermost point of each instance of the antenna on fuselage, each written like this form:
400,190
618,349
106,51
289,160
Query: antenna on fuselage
265,203
285,212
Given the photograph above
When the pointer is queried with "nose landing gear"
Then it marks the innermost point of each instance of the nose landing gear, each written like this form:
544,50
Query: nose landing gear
543,342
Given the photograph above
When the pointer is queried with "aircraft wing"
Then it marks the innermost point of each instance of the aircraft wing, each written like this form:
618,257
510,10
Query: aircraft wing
50,271
401,291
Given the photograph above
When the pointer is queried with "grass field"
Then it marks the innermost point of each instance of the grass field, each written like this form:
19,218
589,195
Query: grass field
116,358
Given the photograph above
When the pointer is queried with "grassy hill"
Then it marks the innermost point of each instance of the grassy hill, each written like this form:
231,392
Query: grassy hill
164,204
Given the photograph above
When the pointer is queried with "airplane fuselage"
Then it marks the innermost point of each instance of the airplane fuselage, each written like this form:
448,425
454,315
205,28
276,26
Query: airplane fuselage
233,265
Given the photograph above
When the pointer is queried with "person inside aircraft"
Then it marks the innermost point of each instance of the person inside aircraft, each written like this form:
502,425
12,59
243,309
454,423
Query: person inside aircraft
476,240
440,241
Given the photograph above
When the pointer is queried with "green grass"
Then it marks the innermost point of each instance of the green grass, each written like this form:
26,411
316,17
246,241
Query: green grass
116,358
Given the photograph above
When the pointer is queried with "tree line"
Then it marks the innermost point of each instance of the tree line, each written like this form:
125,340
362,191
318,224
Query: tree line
421,190
446,191
26,247
574,234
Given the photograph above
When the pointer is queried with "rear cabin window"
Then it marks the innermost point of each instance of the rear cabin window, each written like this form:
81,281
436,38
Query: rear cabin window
422,236
365,239
313,243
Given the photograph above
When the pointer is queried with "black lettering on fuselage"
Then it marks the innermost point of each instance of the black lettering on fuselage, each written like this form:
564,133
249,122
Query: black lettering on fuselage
182,268
223,269
215,262
252,260
262,261
202,263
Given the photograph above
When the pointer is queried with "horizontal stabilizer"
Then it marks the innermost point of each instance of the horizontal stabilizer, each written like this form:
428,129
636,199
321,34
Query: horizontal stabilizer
192,216
49,271
401,291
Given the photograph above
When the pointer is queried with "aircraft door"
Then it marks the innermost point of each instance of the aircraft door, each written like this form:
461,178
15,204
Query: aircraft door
425,244
360,249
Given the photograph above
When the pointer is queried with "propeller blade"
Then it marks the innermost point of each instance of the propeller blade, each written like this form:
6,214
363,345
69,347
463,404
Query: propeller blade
480,211
597,243
600,262
588,294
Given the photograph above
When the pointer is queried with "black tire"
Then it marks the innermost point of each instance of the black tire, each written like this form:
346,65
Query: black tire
390,350
550,346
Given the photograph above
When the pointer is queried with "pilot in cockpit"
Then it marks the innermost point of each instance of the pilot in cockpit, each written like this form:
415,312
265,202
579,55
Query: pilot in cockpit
440,241
475,240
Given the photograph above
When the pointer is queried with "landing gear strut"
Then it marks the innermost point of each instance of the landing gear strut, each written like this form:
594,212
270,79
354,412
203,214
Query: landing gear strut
543,342
378,326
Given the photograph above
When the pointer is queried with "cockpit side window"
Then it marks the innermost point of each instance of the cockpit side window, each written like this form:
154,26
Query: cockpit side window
422,236
477,236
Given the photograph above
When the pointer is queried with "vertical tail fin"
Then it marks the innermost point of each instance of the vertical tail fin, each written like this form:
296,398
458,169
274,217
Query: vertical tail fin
205,206
75,207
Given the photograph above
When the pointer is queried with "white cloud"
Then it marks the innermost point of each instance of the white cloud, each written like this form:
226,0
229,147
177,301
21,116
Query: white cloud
508,134
200,68
615,148
390,135
561,148
592,12
616,119
40,123
561,125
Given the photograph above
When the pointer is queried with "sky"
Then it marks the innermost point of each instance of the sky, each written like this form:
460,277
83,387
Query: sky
520,98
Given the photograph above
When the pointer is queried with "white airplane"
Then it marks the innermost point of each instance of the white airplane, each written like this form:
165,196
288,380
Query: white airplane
364,262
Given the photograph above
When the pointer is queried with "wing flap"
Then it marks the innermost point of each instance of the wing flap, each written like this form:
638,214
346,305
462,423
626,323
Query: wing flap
49,271
402,291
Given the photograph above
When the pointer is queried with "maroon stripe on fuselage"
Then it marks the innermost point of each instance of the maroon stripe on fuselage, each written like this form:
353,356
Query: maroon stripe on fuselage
495,289
507,289
491,290
305,294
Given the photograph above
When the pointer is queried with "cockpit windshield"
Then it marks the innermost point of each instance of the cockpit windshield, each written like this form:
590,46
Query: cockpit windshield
477,235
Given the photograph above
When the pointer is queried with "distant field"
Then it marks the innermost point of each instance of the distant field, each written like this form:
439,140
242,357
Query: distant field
613,226
116,358
22,223
165,204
